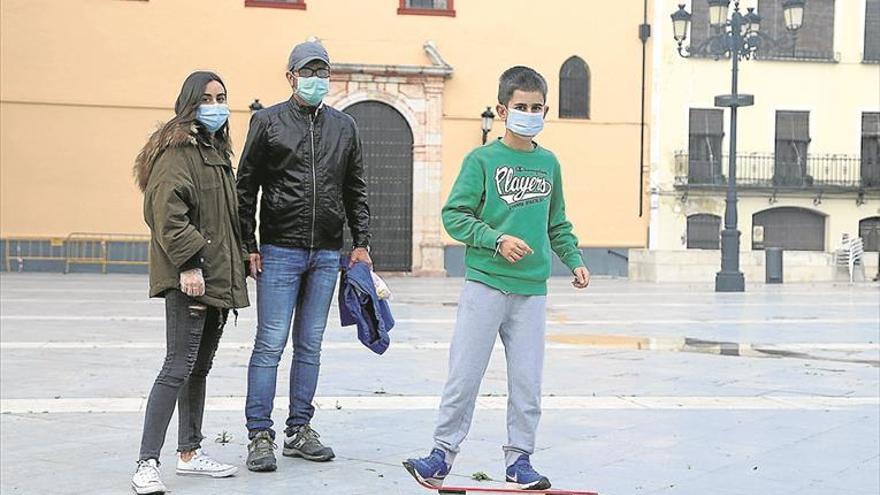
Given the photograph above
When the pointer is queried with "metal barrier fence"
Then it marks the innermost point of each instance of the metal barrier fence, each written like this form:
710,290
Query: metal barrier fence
21,249
79,248
105,249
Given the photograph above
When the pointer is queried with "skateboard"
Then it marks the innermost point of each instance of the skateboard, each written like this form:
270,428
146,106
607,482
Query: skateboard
464,490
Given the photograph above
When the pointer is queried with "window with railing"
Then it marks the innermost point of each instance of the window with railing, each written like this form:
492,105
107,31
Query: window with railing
703,231
872,31
814,40
758,171
574,89
792,143
870,156
277,4
705,136
427,7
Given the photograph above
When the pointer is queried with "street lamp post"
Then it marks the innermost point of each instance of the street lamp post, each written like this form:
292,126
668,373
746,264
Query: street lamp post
793,14
738,40
486,123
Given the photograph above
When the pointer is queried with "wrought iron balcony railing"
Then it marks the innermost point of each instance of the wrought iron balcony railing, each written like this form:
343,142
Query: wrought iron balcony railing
765,171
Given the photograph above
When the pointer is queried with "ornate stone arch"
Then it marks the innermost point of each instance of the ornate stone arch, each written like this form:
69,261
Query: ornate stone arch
417,93
396,101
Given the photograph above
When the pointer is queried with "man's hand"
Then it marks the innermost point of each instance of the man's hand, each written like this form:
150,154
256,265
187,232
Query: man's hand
513,248
192,283
581,278
362,255
255,265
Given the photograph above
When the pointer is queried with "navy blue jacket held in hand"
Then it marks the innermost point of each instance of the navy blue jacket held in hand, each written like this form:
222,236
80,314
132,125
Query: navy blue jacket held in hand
360,305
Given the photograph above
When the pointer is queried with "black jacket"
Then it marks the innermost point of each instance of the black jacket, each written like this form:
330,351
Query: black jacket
310,169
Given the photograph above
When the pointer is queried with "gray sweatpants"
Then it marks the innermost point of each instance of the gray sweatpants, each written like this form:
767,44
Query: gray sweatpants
483,313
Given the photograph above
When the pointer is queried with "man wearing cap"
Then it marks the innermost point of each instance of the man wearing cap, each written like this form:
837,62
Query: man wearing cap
306,158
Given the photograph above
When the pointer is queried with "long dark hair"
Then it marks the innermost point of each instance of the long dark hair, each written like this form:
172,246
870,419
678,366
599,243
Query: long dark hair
182,127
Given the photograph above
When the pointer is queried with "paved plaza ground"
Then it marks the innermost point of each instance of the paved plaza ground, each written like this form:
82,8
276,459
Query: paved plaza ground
648,389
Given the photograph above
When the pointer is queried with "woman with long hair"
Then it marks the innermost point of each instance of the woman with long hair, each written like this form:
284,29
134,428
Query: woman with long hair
196,264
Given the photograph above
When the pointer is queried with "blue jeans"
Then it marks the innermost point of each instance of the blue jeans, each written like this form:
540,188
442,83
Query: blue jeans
296,281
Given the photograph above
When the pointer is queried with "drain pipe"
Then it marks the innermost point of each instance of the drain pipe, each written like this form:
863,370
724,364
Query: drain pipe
644,34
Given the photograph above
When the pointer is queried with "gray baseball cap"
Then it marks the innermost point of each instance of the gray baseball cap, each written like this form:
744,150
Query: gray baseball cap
304,53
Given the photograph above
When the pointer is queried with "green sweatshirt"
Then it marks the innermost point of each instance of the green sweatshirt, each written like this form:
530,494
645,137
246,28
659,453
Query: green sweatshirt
501,190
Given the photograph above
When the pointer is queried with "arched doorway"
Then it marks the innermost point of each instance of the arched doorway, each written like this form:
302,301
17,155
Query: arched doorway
388,166
791,228
869,231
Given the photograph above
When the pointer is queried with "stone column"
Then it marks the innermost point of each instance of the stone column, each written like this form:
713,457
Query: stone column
426,189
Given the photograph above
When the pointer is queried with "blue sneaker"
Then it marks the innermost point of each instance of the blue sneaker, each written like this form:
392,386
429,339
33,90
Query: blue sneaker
431,470
522,475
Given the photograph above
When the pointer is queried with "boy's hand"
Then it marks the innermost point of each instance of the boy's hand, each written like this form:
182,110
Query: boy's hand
513,248
581,278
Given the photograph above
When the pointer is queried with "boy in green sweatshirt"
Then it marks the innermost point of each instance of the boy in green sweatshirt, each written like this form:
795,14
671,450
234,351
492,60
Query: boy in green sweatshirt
507,207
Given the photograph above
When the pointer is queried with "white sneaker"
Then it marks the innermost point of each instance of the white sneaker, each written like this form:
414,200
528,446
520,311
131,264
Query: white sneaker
202,465
146,479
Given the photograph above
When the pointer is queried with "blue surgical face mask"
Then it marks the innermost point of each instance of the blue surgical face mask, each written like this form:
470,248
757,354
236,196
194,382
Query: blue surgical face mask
312,89
524,124
213,116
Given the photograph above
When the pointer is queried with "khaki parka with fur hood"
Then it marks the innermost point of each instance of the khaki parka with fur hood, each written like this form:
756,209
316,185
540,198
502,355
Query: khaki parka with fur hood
191,207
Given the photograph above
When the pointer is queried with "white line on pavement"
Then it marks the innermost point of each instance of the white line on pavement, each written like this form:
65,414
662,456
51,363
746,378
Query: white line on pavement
662,291
582,304
40,300
399,403
405,346
712,304
653,343
83,318
77,290
449,321
819,346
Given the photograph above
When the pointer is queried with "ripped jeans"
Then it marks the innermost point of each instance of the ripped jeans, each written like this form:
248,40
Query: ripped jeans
192,333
